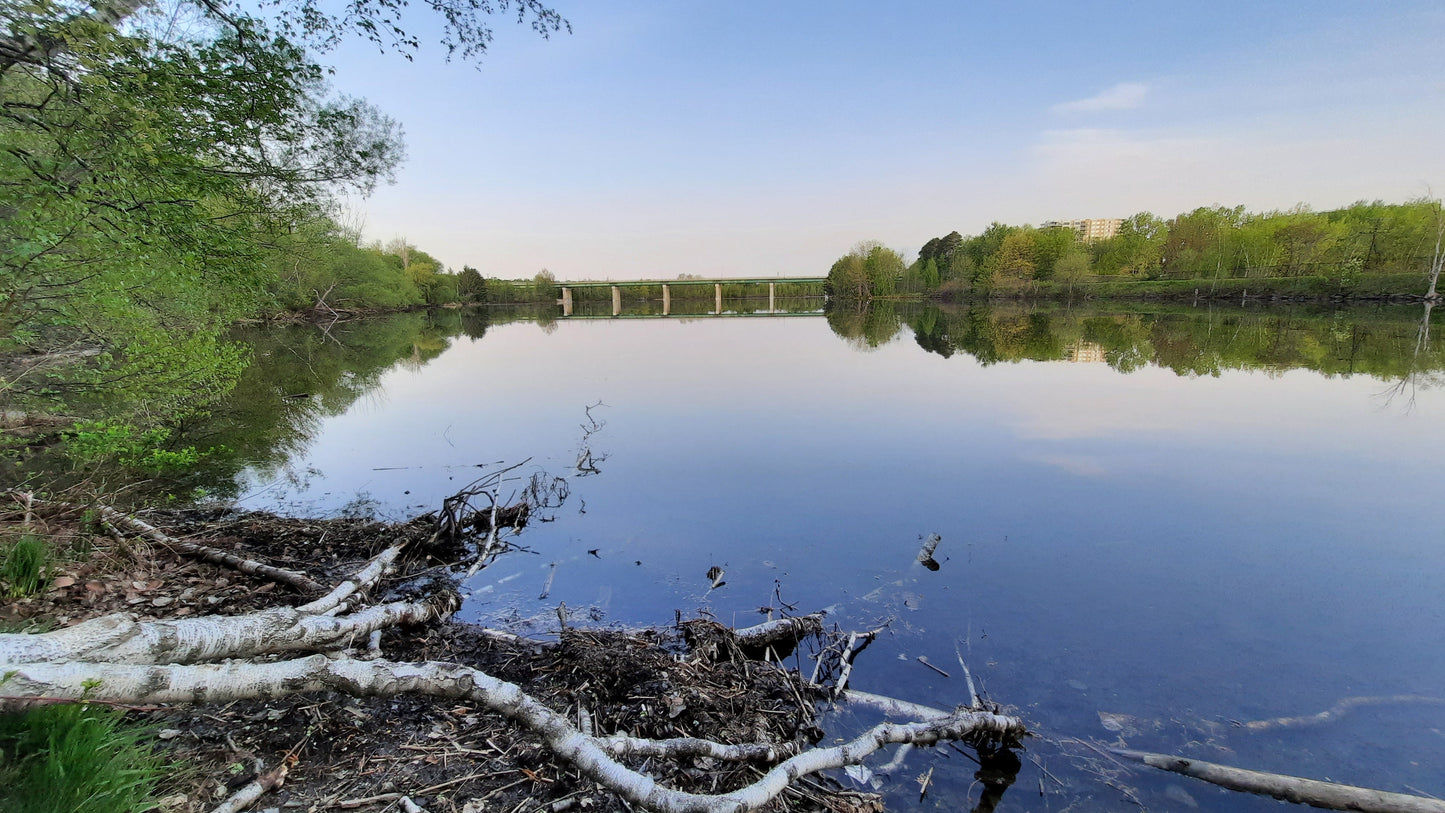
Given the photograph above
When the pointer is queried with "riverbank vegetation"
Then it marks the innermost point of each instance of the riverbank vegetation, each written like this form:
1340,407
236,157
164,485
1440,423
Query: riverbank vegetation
1362,251
172,170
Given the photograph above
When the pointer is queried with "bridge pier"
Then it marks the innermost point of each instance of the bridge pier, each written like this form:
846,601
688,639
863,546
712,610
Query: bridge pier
568,291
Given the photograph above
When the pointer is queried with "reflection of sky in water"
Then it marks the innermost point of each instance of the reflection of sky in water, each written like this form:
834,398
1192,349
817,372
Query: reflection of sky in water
1236,547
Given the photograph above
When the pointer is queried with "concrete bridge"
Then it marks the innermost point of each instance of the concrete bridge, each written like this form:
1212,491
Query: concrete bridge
668,284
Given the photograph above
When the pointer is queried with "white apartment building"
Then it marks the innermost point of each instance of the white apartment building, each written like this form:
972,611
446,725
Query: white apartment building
1089,229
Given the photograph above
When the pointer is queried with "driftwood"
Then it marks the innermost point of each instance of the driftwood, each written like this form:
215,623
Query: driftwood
267,654
119,519
1337,711
1126,724
783,633
925,553
1313,792
264,782
595,757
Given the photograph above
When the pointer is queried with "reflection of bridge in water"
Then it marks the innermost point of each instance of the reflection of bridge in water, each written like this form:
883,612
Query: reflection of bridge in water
668,284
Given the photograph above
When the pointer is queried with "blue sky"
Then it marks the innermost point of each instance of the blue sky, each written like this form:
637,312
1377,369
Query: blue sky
758,139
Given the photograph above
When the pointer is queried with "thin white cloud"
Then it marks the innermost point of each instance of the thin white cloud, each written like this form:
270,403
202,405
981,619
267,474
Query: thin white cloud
1123,96
1116,172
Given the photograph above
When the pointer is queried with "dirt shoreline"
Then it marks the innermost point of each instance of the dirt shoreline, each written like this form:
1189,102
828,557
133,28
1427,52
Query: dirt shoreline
366,753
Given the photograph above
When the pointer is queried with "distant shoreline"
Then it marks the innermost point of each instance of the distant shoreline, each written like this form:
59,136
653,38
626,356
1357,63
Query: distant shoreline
1368,289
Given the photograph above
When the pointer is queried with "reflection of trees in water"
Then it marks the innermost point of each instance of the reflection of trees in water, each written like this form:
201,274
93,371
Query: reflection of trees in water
1419,376
300,375
1387,343
865,326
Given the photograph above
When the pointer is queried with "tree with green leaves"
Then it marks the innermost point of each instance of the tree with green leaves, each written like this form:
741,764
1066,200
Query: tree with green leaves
848,280
144,185
156,186
1014,259
471,287
1050,245
868,270
1136,250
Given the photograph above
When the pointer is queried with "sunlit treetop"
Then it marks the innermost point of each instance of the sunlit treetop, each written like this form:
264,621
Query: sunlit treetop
37,30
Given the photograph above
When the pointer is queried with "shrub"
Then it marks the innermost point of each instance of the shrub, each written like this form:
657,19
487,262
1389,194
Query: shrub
100,442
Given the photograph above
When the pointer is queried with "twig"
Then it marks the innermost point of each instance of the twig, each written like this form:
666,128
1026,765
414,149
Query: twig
923,782
290,577
847,669
974,700
255,789
391,797
925,662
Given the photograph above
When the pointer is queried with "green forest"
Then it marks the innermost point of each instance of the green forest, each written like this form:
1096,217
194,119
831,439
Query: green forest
1368,248
170,173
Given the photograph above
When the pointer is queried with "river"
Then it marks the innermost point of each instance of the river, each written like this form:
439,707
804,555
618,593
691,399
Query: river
1155,524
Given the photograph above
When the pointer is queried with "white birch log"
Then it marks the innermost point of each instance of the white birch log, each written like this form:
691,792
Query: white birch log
300,581
789,630
590,755
1312,792
363,579
892,706
120,638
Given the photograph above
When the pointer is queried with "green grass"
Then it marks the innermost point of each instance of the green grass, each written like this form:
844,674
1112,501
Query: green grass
75,758
25,566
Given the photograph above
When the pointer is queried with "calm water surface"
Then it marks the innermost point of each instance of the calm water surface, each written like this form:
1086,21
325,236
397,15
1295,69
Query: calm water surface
1254,533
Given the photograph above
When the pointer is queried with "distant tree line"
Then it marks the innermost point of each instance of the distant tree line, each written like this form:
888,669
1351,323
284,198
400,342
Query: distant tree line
1207,243
334,267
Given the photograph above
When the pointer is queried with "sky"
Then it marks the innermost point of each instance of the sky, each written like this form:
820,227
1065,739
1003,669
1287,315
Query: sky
762,139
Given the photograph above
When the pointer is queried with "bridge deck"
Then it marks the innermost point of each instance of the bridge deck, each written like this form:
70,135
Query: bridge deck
632,283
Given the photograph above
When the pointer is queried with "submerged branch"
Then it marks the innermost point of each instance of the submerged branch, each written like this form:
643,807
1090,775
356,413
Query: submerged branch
1313,792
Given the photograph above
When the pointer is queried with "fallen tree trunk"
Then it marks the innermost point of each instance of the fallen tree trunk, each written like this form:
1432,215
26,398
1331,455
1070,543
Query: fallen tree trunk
119,658
593,756
120,638
1313,792
118,519
300,581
